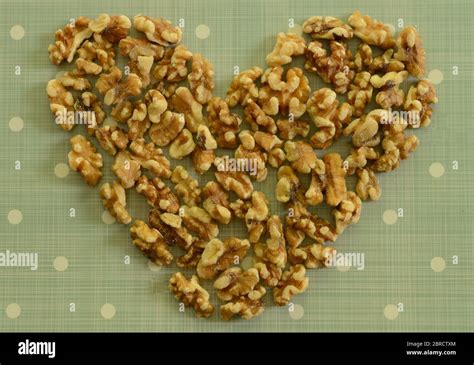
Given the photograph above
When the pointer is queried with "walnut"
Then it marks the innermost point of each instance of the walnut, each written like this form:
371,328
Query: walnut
68,40
222,123
396,145
314,194
359,158
256,216
220,255
138,123
365,130
112,28
252,153
151,243
327,27
92,112
287,185
276,157
236,181
183,102
418,102
368,186
216,202
284,94
186,187
193,254
293,281
360,93
156,105
287,46
204,154
121,112
271,258
347,212
142,68
328,117
363,57
243,87
267,141
100,50
301,155
135,47
183,145
61,101
158,30
235,282
390,94
311,256
84,159
289,129
127,169
197,220
173,67
157,194
411,52
76,80
112,139
114,200
386,63
191,294
245,307
169,127
335,179
333,68
170,227
371,31
201,79
257,118
150,157
114,90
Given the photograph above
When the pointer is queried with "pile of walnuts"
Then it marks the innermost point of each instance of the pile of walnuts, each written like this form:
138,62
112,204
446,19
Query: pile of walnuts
164,98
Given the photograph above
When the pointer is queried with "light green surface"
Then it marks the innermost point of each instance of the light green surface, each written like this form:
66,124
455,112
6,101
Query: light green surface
437,220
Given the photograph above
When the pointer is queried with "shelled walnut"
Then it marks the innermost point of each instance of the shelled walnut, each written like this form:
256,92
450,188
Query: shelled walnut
201,79
173,66
85,159
311,256
158,30
204,153
410,51
186,187
368,186
114,200
256,216
347,212
116,90
191,294
237,181
293,281
418,103
184,102
157,194
371,31
243,87
112,139
197,220
250,152
169,127
151,243
150,157
220,255
127,169
216,202
222,123
170,227
327,27
287,46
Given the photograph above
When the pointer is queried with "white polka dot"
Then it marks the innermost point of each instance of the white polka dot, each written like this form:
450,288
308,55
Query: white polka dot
438,264
296,312
392,28
15,216
436,169
153,267
107,218
296,29
343,268
107,311
435,76
202,31
15,124
390,311
13,310
60,74
17,32
109,121
247,263
390,217
61,170
60,263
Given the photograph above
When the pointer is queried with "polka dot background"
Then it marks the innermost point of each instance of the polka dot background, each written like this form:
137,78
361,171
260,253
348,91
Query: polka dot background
88,259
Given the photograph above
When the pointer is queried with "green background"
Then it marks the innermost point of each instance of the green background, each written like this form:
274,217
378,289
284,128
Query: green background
437,219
